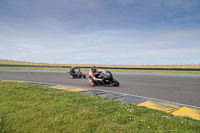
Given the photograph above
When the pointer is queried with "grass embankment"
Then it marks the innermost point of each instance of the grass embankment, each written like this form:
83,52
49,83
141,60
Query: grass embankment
33,108
112,70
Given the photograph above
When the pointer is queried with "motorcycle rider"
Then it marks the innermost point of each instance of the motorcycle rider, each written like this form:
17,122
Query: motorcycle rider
72,71
92,74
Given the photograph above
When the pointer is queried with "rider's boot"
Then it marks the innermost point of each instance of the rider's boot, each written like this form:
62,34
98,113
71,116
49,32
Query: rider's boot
91,83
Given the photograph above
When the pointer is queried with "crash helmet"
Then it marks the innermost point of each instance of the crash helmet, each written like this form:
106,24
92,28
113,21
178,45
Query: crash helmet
72,67
94,69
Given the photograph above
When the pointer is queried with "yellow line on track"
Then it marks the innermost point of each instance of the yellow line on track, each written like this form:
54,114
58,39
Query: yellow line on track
14,81
188,111
163,106
68,88
78,89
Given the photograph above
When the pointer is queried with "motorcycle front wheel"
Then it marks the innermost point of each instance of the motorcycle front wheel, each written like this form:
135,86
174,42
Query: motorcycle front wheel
115,82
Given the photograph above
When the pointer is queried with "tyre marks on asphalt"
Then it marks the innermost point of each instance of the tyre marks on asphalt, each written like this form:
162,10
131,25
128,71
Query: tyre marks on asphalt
172,108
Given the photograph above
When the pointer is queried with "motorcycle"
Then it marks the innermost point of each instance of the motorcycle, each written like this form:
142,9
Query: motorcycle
76,73
107,77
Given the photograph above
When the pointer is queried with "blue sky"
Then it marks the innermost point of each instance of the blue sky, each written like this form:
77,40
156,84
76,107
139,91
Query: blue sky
114,32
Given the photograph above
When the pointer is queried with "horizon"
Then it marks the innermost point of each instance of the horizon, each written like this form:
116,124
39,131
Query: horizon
100,64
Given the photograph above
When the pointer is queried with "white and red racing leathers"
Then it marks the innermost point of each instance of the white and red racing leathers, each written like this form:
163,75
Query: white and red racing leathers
92,78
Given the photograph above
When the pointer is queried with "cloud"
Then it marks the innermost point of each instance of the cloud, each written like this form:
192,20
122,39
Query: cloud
106,46
102,32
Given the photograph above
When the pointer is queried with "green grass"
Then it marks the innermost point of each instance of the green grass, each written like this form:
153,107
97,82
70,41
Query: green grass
112,70
33,108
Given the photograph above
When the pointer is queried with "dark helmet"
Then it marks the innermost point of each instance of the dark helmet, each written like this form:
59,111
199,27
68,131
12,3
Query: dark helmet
72,67
94,69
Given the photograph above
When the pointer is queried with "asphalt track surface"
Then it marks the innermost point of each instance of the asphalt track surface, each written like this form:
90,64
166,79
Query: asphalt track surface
177,88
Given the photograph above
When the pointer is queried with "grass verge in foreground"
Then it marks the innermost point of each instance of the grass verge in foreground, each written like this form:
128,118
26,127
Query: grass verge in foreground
33,108
112,70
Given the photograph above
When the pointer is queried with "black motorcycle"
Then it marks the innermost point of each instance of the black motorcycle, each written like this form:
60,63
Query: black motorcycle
76,73
107,77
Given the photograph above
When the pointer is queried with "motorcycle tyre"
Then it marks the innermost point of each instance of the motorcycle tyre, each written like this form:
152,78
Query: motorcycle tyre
115,82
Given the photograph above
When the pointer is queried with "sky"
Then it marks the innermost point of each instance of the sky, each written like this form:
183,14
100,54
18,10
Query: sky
107,32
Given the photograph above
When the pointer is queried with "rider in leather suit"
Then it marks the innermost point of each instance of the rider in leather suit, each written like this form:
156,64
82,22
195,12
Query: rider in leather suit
92,76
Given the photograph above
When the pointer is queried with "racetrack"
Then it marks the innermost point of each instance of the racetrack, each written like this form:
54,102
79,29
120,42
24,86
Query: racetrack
178,88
